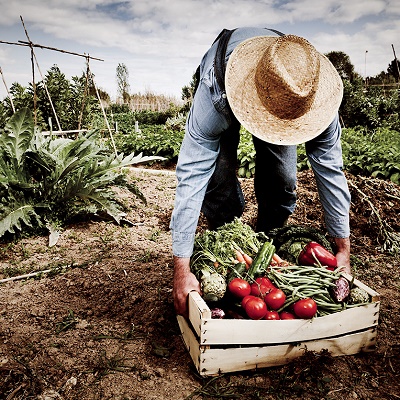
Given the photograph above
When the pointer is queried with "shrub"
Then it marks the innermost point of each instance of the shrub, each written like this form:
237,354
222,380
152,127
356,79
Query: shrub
372,153
48,182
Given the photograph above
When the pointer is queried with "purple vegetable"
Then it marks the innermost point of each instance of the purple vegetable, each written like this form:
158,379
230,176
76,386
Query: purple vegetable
217,313
341,291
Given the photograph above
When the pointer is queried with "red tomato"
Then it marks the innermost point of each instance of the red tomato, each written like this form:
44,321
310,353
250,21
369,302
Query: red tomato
272,315
246,299
275,299
263,280
239,287
259,290
256,308
305,308
286,315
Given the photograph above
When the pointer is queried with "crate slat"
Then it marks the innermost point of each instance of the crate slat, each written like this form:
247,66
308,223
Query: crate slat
216,361
245,331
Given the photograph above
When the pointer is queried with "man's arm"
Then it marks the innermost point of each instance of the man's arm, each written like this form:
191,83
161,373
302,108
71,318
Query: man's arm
184,282
343,253
325,156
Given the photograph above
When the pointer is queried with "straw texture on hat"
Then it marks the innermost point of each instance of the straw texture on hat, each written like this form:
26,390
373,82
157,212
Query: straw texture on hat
281,89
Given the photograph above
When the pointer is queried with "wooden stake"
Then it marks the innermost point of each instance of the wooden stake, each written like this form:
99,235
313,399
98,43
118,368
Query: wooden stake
397,64
33,73
8,93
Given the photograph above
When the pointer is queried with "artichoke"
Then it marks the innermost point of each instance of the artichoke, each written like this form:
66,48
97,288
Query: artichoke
358,295
213,285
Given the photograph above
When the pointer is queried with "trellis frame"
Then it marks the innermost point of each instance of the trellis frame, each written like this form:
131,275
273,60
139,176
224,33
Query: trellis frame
34,61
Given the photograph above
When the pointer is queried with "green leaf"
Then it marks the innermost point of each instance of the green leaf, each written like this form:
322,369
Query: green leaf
19,131
12,220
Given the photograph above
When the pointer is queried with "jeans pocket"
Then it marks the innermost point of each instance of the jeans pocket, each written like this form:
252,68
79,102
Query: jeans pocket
218,97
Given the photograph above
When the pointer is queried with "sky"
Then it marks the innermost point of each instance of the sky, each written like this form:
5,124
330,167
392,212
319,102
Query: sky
161,42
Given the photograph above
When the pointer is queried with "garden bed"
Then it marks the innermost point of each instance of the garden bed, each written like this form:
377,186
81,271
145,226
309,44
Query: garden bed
102,325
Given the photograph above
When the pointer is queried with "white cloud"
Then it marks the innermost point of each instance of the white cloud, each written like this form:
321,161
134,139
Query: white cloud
162,41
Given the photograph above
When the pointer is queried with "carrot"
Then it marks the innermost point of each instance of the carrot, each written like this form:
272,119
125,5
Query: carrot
247,259
239,256
277,259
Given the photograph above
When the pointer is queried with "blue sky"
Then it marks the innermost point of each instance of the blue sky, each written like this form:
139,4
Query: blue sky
162,42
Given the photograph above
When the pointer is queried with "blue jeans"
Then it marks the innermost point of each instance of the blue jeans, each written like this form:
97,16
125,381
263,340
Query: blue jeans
274,183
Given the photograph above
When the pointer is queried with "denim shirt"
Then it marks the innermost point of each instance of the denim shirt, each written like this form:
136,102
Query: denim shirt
208,117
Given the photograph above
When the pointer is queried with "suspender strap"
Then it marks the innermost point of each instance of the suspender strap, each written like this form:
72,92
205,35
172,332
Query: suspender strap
275,31
219,60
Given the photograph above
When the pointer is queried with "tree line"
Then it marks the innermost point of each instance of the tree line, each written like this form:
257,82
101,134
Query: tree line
369,102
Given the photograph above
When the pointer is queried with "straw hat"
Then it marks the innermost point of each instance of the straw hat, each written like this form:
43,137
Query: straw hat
281,89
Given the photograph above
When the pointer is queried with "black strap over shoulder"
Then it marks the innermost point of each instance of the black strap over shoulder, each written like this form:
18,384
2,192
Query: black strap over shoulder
219,60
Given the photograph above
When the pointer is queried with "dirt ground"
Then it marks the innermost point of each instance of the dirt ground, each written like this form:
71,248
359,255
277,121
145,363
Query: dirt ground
101,324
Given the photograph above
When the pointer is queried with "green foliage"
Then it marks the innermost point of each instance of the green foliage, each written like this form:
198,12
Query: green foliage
371,107
302,159
375,153
342,63
47,181
124,120
122,76
246,155
73,109
152,140
394,68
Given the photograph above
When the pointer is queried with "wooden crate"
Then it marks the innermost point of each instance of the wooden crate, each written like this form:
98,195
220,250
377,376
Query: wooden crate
227,345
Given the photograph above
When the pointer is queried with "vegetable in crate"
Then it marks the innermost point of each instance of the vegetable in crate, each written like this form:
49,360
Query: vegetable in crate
217,313
213,285
340,292
305,308
239,287
300,282
218,249
255,307
290,240
313,253
358,296
261,261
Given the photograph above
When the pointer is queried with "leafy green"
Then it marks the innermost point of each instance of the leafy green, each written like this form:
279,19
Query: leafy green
215,250
45,181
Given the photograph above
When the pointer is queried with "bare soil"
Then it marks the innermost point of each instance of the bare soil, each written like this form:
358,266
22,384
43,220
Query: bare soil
101,325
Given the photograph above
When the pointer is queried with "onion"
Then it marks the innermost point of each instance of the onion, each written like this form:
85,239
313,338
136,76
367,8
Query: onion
217,313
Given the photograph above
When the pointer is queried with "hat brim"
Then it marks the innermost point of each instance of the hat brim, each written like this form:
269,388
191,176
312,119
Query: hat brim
252,114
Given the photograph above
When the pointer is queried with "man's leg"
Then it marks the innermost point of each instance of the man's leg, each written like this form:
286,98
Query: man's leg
224,198
274,184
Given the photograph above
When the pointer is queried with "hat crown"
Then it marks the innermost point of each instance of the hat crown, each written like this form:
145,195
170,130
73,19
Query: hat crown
286,77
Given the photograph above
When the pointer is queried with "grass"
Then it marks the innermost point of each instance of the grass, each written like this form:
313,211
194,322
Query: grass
68,322
105,365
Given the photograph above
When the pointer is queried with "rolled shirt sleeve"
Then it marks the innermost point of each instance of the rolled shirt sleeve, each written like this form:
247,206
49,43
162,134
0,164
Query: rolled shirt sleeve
194,170
325,156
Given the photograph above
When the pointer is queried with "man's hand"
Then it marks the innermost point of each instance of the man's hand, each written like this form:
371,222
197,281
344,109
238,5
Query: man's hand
343,253
184,282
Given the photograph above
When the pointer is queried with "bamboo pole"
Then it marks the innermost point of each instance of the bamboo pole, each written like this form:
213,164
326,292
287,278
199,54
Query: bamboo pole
84,93
61,51
33,73
47,92
397,64
27,44
8,93
103,111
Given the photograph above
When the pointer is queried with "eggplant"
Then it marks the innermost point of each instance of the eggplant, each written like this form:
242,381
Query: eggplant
341,291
